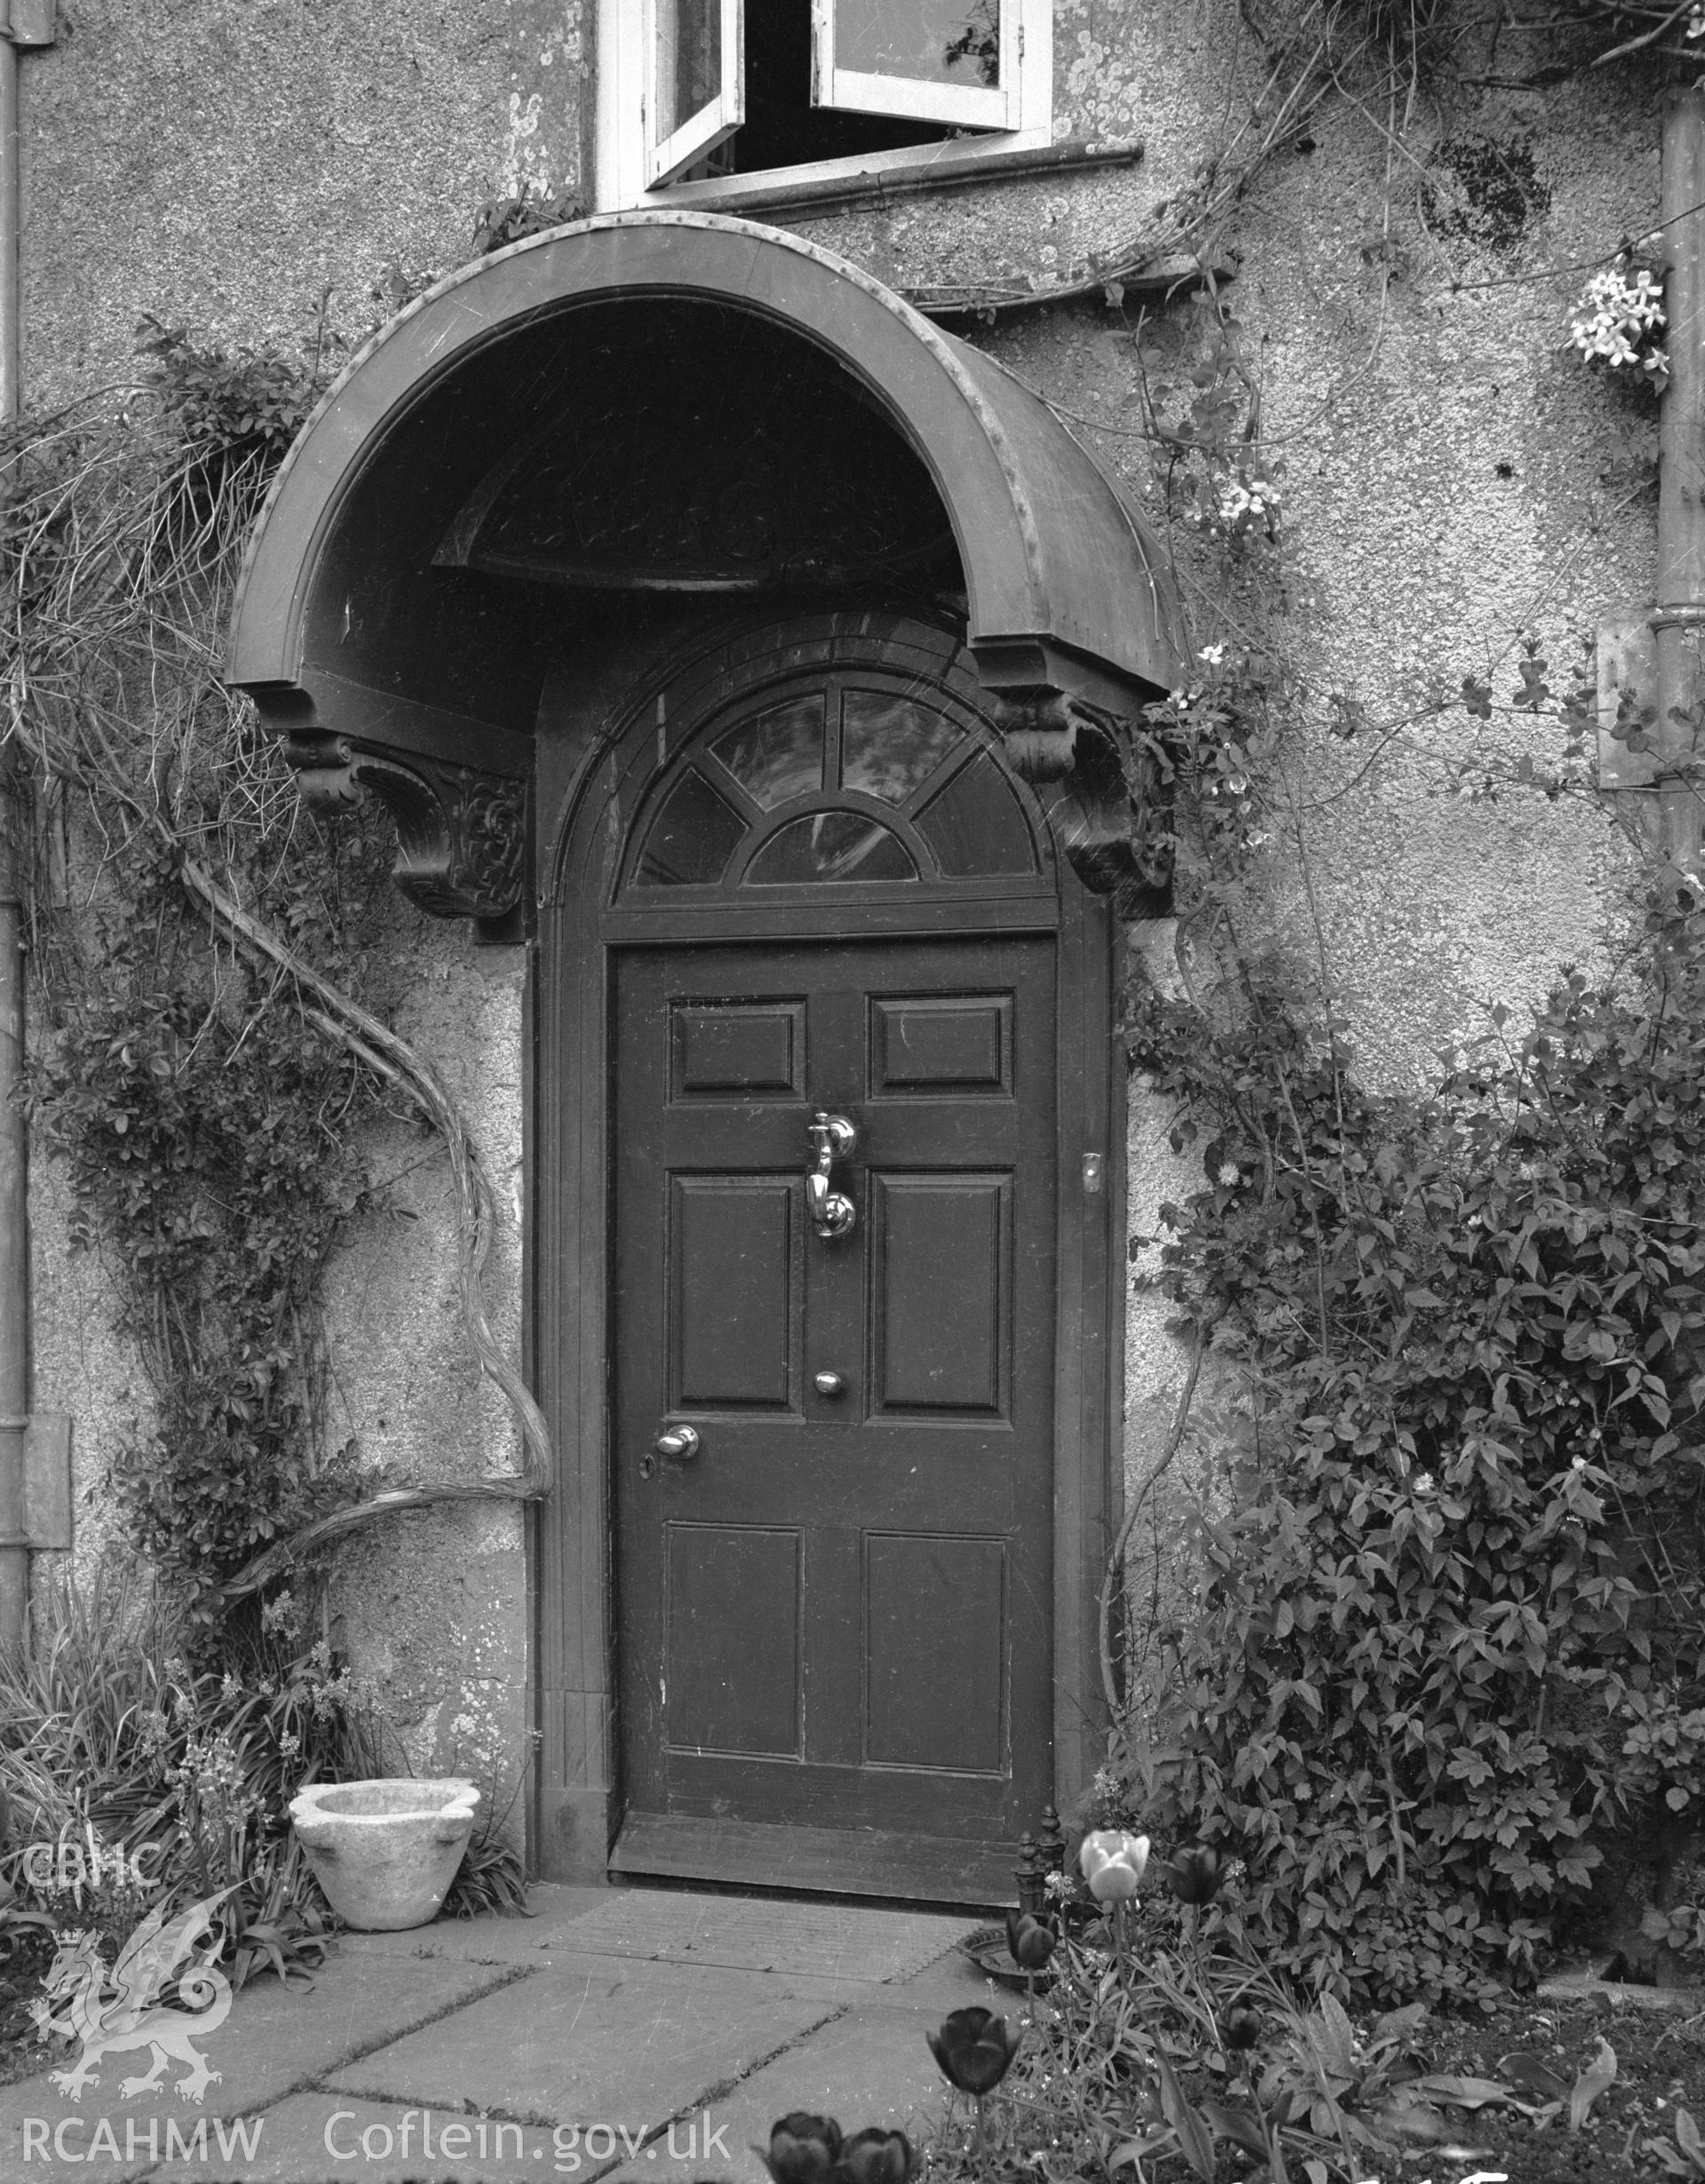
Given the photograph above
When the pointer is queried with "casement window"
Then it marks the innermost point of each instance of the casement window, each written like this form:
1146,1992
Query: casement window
696,98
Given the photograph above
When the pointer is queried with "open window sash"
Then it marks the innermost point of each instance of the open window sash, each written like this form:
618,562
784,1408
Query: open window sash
956,61
696,81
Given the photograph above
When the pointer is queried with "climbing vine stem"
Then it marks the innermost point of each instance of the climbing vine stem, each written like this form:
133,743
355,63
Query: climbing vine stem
211,959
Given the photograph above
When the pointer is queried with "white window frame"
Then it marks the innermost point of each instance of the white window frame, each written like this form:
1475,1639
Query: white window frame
971,106
702,132
625,49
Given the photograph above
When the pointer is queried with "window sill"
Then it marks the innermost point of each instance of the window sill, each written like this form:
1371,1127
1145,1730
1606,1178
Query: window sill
847,185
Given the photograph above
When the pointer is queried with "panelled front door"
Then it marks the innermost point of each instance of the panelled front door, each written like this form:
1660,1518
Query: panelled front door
833,1451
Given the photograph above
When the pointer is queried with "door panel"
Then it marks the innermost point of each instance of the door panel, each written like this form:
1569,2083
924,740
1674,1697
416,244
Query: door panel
933,1237
732,1688
734,1316
944,1601
837,1613
946,1047
743,1052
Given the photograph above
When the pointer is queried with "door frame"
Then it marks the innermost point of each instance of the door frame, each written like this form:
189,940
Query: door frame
588,724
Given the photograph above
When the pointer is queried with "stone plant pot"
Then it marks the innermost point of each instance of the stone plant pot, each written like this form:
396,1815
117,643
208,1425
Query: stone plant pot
386,1852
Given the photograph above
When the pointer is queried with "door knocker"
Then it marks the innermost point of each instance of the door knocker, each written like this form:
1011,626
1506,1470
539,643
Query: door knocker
834,1136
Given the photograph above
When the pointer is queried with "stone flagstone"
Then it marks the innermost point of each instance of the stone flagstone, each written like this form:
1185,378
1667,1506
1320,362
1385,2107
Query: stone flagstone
275,2038
319,2137
869,2067
602,2041
833,1940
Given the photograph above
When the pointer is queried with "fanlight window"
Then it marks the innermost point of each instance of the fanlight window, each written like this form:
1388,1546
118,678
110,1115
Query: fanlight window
836,786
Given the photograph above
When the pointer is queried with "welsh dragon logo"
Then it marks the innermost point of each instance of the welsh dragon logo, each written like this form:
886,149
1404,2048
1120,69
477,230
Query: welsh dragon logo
113,2010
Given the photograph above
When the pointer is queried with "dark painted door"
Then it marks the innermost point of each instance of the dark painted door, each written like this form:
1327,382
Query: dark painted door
834,1617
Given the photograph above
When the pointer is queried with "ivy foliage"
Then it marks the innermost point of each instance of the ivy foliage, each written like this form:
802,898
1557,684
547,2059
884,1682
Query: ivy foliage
1448,1648
206,1134
206,1122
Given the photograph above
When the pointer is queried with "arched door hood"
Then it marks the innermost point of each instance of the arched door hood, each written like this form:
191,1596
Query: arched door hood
375,633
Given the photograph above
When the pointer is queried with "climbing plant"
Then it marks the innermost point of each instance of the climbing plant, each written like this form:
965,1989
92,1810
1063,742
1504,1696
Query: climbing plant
205,951
1441,1658
1435,1679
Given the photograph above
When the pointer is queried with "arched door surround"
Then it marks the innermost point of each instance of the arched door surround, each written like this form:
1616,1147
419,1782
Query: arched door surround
465,491
564,507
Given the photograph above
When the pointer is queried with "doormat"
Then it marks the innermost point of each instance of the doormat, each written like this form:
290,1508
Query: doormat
752,1933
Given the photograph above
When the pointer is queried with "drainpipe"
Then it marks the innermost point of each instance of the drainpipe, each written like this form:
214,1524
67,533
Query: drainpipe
27,22
1679,617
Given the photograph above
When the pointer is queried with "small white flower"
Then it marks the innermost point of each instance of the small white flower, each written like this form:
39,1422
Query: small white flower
1618,308
1212,654
1422,1482
1230,1172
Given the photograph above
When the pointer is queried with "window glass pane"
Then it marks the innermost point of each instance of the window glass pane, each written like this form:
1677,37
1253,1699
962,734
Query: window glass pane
689,60
890,746
691,839
931,41
779,754
975,825
830,846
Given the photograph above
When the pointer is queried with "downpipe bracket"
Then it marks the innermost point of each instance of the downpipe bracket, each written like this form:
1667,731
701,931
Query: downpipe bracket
46,1437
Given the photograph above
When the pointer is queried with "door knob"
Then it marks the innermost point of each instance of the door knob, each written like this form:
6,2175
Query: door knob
678,1445
828,1383
834,1138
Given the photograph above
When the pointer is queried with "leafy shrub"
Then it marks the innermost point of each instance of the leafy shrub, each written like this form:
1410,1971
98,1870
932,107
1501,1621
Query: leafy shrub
1448,1634
233,406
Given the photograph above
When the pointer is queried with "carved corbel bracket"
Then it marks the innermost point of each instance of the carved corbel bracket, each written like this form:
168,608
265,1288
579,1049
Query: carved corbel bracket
461,833
1111,818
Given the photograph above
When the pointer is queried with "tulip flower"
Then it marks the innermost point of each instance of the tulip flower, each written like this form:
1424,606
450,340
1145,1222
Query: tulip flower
1029,1941
803,2149
975,2050
1240,2028
1112,1862
1194,1875
875,2156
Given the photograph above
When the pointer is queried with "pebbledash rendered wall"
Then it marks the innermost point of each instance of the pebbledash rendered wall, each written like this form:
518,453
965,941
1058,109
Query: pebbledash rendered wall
224,165
1454,475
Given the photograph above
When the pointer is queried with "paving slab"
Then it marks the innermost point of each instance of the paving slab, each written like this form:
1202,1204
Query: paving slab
315,2138
869,2066
273,2039
952,1982
756,1934
620,2044
493,1937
